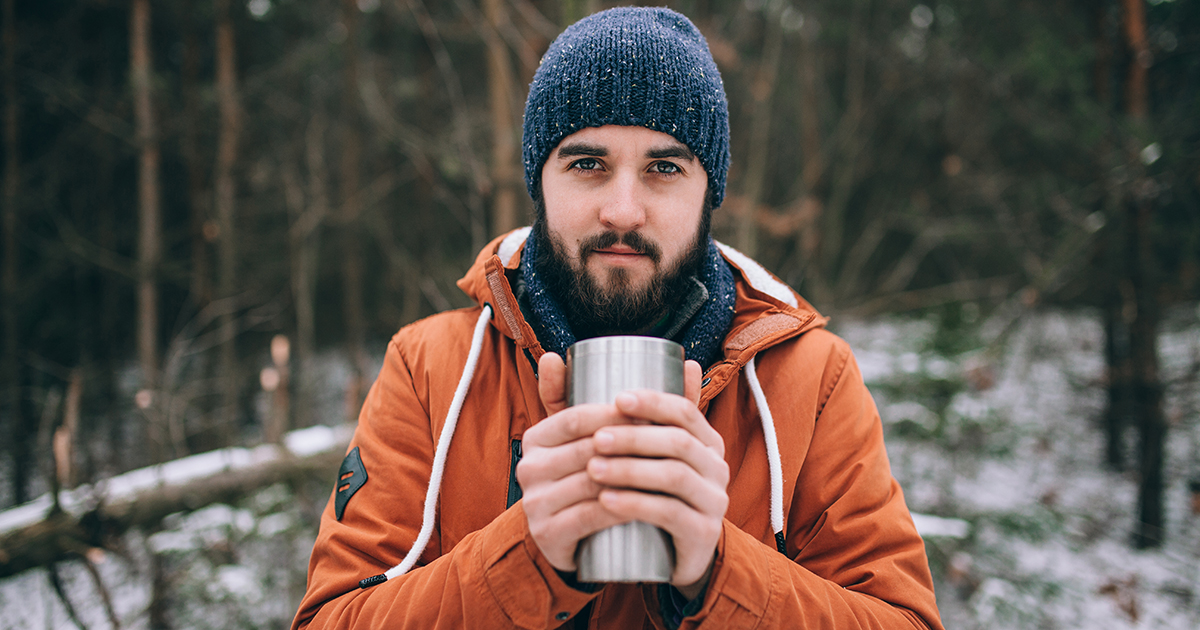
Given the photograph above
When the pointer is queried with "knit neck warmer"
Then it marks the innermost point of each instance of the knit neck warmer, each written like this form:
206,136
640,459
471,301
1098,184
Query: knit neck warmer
701,337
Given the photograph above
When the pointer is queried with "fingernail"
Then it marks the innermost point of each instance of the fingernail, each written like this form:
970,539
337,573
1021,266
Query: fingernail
626,399
604,438
599,465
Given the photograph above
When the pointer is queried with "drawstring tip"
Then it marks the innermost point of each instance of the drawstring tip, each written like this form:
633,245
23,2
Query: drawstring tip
372,581
780,543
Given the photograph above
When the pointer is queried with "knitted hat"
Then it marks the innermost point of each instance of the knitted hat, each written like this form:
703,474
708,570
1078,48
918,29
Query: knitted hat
632,66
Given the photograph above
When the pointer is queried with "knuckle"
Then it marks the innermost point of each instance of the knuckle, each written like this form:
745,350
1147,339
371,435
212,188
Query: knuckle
677,475
722,475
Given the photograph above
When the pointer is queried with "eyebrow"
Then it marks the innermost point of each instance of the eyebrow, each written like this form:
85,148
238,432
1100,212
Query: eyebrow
680,151
586,149
575,149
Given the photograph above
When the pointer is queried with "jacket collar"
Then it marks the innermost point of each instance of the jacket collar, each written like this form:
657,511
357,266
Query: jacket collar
767,310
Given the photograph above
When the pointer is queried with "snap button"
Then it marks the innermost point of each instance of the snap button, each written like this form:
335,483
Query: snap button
562,616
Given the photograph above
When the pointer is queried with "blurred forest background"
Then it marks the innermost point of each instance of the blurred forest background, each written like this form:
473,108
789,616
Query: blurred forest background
215,213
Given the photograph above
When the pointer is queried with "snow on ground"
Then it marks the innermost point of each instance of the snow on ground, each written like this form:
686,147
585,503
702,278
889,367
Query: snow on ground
1006,442
1011,443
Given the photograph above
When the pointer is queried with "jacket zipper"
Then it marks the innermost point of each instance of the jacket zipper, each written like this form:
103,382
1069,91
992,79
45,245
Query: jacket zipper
514,489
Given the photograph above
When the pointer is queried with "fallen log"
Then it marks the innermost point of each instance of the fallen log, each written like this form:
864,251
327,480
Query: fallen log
37,534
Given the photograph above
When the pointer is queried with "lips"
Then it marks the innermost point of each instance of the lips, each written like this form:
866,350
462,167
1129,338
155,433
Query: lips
620,251
619,246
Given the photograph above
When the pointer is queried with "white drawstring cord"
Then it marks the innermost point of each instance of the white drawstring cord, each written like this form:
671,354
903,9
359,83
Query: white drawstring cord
443,447
773,462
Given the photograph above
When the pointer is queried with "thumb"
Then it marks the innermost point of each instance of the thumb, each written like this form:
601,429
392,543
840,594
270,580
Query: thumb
691,381
552,383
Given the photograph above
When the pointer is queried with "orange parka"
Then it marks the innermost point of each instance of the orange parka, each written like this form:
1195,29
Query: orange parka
853,557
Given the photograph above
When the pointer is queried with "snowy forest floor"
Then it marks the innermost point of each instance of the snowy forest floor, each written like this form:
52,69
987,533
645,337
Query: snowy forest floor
1010,442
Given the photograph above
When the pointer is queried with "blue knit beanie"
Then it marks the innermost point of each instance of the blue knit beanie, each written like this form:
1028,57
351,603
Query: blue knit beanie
631,66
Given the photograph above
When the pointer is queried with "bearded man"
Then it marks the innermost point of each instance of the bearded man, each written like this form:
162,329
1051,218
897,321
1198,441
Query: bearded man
469,483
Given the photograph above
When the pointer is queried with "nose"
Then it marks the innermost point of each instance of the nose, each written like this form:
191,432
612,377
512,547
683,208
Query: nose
624,208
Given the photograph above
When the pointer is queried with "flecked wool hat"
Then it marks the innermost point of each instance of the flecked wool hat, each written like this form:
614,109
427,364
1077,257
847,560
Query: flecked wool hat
634,66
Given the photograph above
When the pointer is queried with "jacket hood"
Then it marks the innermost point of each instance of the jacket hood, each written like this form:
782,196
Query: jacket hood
767,311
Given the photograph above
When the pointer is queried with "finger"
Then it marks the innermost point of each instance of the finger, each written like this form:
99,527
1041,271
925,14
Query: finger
661,408
659,441
572,424
561,533
691,381
552,383
669,477
662,510
693,534
550,498
545,464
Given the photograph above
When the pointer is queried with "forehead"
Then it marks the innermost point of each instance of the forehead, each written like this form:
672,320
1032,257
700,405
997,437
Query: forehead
614,137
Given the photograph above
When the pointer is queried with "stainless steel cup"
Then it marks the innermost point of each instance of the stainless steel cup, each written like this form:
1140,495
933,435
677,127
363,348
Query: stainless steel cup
598,370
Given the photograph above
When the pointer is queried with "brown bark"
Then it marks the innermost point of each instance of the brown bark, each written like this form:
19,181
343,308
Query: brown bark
278,421
67,432
504,127
1103,64
351,209
149,215
755,176
229,132
10,367
1137,89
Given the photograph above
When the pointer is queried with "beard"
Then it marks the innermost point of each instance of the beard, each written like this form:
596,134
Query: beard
593,309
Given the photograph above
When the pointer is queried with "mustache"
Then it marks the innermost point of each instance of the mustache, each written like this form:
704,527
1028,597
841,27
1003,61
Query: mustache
633,240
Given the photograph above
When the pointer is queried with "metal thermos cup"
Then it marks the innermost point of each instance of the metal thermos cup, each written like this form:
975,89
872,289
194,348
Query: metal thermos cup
598,370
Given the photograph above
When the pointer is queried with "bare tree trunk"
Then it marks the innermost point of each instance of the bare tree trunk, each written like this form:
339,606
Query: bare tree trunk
462,132
149,219
1116,355
226,200
351,201
1146,386
812,234
504,127
756,162
10,370
1137,88
278,420
575,10
201,283
1101,72
307,214
160,590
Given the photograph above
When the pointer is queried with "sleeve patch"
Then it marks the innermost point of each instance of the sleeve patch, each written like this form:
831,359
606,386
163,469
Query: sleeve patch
351,476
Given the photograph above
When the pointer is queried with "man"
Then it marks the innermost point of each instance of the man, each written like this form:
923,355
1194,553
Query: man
469,483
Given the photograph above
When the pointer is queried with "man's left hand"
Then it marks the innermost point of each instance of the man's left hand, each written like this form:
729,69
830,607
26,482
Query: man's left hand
670,472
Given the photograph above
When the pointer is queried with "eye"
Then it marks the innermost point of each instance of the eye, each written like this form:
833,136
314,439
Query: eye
666,168
586,164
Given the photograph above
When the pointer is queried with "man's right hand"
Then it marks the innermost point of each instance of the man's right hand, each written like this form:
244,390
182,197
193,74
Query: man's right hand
559,498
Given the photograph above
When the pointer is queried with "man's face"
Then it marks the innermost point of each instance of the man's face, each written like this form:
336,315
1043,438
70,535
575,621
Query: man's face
623,210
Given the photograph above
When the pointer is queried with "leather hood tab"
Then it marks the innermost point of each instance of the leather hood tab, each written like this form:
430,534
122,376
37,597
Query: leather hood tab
768,326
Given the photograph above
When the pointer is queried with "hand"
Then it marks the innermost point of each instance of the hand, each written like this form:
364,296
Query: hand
670,473
559,497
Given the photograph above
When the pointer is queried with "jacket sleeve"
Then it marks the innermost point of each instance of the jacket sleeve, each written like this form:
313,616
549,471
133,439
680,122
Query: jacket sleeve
857,560
467,586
